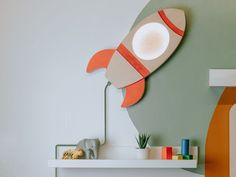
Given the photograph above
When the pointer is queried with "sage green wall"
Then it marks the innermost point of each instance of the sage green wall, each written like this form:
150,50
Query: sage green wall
178,101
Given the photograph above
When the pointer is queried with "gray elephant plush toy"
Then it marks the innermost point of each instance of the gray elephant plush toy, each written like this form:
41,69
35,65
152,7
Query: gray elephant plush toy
90,147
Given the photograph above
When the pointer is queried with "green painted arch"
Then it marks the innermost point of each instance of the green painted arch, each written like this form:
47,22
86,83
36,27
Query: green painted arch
178,101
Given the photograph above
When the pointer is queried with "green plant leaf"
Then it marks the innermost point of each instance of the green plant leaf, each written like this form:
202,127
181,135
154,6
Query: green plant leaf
142,140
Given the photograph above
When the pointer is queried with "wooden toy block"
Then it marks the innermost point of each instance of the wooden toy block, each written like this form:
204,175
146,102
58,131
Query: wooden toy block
188,157
177,157
166,153
185,146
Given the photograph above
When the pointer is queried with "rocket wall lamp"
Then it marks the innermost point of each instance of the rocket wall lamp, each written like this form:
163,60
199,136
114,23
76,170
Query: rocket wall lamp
147,46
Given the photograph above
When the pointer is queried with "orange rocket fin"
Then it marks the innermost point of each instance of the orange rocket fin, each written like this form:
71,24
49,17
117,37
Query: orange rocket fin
100,59
133,93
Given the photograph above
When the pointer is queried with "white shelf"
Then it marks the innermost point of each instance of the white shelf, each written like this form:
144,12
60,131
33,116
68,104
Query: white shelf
222,77
122,163
154,162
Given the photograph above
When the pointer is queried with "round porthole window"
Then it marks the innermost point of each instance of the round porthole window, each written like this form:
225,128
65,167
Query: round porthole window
150,41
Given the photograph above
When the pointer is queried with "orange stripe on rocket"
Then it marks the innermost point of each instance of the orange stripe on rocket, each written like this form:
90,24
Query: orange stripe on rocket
147,46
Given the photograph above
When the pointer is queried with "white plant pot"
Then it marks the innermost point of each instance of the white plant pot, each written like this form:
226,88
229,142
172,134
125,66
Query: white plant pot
142,154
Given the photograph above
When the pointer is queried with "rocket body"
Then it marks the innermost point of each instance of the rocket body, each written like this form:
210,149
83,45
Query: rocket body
147,46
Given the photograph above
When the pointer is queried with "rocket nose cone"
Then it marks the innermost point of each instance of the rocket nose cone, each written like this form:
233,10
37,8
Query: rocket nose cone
177,17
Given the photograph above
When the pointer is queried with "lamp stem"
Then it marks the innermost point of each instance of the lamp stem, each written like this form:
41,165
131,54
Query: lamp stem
105,112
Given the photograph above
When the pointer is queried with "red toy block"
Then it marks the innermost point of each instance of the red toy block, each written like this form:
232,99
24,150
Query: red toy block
166,153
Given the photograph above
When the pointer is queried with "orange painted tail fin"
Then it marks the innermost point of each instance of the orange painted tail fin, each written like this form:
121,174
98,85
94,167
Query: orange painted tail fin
133,93
100,60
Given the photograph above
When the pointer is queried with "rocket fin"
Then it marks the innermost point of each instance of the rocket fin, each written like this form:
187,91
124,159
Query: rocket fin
133,93
100,59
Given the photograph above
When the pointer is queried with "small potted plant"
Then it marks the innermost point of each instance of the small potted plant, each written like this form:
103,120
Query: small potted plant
142,150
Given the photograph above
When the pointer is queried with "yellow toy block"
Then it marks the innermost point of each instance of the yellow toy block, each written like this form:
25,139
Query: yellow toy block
177,157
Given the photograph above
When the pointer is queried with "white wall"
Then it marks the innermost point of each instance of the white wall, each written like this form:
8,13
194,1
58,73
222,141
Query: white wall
46,97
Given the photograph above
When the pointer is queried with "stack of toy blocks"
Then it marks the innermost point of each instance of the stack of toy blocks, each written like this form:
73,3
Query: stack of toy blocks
185,149
168,155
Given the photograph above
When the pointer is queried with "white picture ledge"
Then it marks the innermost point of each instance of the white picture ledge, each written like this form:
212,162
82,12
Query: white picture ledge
154,161
122,163
222,77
